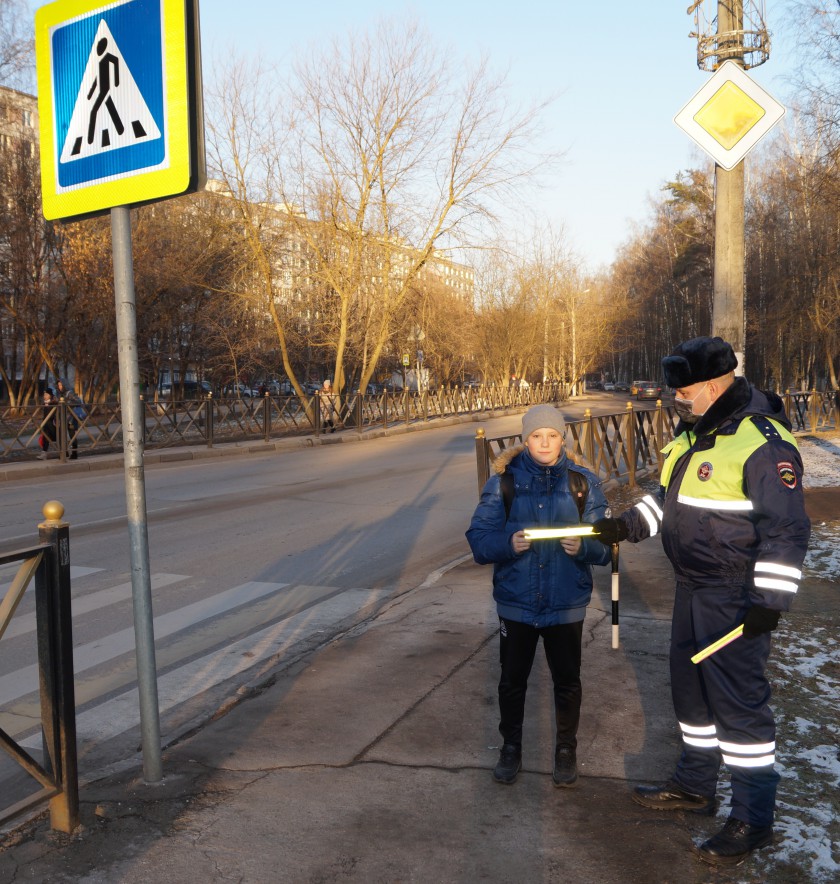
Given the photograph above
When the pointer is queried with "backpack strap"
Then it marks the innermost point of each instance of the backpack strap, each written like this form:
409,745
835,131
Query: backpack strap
578,485
507,486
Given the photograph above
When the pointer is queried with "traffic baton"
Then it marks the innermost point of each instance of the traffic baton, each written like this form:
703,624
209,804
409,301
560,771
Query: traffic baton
614,557
737,632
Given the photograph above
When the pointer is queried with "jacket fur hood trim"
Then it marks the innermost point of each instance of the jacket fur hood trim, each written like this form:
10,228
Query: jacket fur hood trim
500,463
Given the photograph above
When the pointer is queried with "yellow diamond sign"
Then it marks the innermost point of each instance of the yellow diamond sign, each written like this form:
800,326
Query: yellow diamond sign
729,115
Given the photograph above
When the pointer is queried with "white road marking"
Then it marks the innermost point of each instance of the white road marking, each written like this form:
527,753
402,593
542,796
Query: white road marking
23,623
25,680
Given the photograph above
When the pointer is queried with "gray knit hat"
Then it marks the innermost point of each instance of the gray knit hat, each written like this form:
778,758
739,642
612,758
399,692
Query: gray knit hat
539,417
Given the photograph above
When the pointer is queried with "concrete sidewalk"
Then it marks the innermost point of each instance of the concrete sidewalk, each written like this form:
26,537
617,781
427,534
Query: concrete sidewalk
370,760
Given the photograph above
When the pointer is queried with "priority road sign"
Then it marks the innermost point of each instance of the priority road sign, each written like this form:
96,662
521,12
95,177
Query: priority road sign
729,115
120,103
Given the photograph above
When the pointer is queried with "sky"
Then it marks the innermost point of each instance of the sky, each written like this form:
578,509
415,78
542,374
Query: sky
620,72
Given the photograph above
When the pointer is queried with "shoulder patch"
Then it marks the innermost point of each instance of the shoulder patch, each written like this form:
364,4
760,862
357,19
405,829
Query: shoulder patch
786,474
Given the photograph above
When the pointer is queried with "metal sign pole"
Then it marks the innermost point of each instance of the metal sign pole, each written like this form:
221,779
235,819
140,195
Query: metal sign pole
135,492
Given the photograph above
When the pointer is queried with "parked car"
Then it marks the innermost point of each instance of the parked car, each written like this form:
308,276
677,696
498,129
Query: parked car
191,390
647,390
370,390
622,387
238,391
609,387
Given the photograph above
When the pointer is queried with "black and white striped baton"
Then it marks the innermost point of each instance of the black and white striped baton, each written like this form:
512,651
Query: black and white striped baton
614,557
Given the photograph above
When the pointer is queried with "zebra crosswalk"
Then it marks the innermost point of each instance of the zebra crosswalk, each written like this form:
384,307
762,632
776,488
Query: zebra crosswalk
234,634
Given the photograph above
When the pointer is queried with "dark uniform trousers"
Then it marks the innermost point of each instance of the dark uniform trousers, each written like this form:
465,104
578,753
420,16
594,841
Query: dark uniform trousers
722,702
517,648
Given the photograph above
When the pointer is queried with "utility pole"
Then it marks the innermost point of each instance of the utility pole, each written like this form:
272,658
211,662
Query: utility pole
727,117
728,317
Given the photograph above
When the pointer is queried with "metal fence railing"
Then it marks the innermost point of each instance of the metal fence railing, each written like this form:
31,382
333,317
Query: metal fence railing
211,421
618,446
56,777
172,422
817,411
615,446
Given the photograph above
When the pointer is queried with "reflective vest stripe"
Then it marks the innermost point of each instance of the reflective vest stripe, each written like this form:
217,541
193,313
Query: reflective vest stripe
770,583
701,742
702,736
699,730
651,502
650,518
776,582
748,748
757,761
783,570
704,503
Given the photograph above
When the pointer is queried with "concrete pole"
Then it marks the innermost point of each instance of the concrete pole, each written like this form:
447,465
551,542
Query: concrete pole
135,492
728,310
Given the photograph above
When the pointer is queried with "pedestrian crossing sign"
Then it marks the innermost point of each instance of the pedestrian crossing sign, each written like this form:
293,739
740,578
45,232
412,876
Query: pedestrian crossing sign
119,102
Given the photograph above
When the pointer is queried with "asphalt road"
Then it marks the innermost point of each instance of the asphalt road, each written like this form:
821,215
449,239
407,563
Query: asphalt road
252,559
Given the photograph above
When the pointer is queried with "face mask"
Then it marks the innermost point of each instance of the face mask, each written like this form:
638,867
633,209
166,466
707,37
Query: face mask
685,409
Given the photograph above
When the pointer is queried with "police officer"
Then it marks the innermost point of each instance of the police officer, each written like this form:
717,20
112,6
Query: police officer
732,518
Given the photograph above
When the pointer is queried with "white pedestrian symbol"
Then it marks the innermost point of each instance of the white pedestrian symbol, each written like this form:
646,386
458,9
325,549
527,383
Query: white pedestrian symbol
110,111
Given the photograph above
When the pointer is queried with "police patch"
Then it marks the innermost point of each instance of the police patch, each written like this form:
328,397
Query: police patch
786,474
704,471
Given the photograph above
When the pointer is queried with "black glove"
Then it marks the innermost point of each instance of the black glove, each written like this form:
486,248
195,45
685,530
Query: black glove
760,620
610,531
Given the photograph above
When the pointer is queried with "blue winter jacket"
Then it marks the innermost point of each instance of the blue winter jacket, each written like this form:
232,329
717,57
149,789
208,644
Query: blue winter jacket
543,586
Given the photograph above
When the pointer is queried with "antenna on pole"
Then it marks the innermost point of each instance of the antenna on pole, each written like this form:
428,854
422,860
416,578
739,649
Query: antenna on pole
743,37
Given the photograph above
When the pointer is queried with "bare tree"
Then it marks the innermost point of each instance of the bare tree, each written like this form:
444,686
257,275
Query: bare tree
386,156
29,302
17,48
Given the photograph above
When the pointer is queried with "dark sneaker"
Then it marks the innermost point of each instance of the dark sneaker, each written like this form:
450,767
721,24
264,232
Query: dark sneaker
673,797
510,763
565,766
734,843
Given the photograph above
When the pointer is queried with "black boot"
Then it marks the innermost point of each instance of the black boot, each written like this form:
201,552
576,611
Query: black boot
734,843
510,763
565,766
673,797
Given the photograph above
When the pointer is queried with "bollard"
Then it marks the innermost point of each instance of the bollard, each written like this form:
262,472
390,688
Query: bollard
209,418
588,440
266,417
631,446
482,465
359,408
316,414
659,435
55,665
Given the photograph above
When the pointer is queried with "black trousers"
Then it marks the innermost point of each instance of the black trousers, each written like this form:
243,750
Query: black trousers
722,704
517,648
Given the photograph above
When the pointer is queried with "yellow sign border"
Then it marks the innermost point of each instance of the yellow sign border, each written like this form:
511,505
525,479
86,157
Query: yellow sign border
172,176
729,71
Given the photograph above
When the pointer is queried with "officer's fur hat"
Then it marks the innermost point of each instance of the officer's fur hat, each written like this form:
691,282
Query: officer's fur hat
699,359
